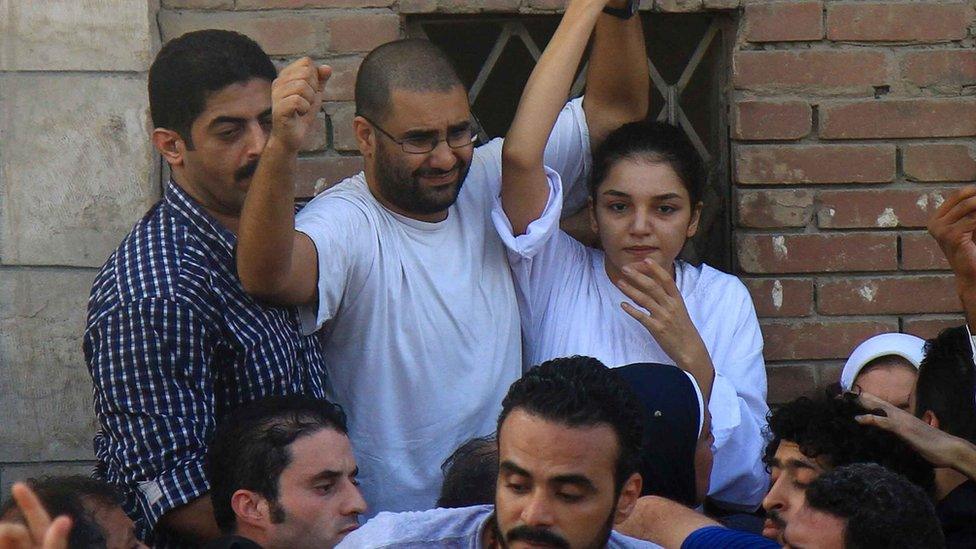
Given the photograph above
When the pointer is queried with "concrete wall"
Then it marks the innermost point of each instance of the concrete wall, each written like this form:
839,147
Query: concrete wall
76,171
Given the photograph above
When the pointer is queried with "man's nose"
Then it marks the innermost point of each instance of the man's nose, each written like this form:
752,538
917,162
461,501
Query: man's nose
537,511
442,157
774,498
257,138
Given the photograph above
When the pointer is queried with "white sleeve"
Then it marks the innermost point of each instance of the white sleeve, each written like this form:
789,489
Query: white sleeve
739,410
336,227
539,231
568,153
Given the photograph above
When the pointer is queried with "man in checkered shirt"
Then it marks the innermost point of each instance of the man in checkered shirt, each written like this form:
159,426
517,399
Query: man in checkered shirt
172,340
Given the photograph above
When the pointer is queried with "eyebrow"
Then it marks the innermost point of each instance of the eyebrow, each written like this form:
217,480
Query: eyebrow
509,467
330,474
425,132
574,479
665,196
236,119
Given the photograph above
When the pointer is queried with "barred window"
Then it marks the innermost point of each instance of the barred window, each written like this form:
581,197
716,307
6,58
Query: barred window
688,60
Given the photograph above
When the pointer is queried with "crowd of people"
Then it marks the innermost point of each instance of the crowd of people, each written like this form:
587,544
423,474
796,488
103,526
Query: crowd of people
420,357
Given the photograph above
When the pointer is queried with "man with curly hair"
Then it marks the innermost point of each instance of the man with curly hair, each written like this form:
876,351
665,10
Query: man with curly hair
864,505
811,437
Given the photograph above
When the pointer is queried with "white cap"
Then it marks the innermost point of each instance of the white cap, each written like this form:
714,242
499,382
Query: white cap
907,346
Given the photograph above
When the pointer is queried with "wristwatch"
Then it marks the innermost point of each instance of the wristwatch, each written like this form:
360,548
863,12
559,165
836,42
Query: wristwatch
623,13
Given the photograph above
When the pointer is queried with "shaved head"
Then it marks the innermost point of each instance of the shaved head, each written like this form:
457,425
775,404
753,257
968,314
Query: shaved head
412,64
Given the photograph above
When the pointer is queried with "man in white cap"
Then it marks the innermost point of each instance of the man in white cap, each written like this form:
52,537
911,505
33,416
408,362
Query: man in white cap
886,366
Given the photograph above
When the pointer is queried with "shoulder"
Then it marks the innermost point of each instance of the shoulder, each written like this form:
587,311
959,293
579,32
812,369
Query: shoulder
348,201
713,285
152,260
414,528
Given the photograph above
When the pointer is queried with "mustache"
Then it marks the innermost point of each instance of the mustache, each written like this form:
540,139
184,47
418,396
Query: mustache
434,172
773,516
536,535
245,171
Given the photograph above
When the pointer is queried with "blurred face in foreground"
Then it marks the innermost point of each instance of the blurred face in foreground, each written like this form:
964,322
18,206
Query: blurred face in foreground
792,472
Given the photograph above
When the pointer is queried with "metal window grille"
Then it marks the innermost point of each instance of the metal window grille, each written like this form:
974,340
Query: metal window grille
687,57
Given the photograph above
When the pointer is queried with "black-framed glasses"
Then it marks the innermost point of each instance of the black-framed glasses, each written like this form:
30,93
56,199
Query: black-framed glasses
422,144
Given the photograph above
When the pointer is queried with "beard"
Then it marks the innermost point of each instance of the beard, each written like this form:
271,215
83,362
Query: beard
544,535
404,189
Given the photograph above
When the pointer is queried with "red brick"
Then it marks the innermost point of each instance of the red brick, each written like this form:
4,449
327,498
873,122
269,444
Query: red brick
298,4
770,209
940,67
278,34
888,295
899,118
874,209
819,339
784,21
362,32
814,253
329,169
342,84
797,164
340,116
809,71
898,22
920,252
198,4
928,327
789,382
758,120
939,162
775,297
317,138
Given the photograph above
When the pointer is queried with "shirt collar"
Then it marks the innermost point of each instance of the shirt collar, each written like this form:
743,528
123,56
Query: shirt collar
183,205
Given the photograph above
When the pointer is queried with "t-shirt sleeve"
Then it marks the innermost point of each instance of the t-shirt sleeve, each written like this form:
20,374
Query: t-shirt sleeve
153,393
341,236
718,536
539,231
739,406
568,153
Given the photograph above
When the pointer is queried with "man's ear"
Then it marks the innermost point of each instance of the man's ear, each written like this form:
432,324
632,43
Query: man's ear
365,136
170,146
930,418
695,218
628,498
250,508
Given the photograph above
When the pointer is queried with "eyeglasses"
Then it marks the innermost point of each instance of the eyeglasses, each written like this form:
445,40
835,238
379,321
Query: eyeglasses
422,144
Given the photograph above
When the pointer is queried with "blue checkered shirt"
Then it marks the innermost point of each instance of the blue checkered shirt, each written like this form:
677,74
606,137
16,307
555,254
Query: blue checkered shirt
173,343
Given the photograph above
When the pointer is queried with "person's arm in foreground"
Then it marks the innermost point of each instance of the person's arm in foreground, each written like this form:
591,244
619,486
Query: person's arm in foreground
617,78
39,531
663,522
937,447
525,188
275,262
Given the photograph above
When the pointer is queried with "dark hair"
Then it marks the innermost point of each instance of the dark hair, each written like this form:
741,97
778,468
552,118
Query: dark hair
580,391
651,141
412,64
76,496
825,430
947,382
250,447
470,474
190,68
880,508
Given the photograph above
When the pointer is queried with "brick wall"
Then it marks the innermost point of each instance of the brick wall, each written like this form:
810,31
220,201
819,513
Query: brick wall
850,121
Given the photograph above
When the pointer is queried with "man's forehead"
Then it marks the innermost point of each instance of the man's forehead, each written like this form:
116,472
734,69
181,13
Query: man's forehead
788,454
550,448
240,99
433,109
326,449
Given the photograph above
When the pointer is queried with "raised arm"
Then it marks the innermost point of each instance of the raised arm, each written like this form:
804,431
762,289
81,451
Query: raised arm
525,189
275,262
954,227
617,79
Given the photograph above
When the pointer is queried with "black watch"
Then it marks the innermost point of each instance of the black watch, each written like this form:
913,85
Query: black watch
623,13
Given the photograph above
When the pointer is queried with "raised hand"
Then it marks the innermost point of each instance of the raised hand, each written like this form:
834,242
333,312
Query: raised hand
937,447
296,98
40,532
954,226
666,318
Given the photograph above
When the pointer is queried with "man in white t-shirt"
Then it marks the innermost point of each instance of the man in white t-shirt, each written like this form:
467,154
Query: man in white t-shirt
400,265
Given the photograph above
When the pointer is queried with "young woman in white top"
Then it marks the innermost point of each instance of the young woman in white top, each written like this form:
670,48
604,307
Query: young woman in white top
634,300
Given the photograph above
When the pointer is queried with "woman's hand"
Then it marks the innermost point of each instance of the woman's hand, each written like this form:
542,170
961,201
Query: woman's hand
666,318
